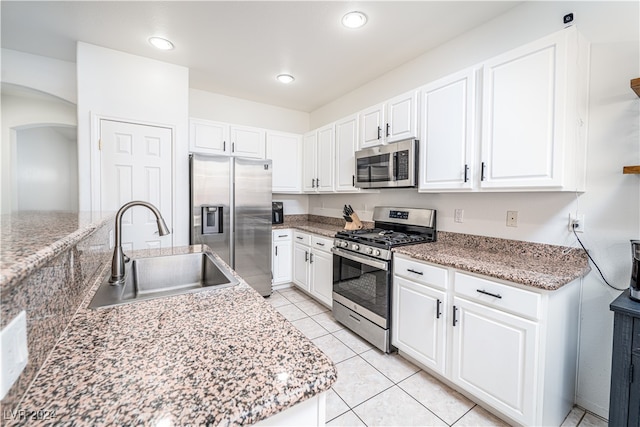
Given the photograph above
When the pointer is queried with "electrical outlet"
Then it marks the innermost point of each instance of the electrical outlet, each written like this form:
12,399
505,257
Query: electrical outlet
458,215
512,218
14,352
576,223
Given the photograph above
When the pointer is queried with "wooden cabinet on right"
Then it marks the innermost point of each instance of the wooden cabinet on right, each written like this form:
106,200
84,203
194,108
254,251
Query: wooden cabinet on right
624,403
313,266
528,134
514,348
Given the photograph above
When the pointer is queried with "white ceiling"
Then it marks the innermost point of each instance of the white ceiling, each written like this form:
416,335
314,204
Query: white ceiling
236,48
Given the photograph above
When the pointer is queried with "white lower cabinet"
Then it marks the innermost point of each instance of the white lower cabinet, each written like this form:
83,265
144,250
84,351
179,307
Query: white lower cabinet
494,357
419,324
513,349
281,256
313,266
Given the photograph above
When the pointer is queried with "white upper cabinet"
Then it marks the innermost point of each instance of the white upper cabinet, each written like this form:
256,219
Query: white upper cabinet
318,163
371,123
346,146
247,142
285,151
447,133
324,181
533,113
402,117
309,163
209,137
388,122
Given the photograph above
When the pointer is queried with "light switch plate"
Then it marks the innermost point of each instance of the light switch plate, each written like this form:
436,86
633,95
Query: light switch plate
14,352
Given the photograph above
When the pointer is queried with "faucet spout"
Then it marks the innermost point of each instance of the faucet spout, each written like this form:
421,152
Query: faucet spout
117,262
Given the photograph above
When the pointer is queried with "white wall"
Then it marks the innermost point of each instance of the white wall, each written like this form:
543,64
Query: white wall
222,108
48,75
118,85
20,112
47,169
611,203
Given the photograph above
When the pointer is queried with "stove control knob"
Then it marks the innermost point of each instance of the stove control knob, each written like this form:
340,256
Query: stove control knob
369,251
355,247
344,244
377,252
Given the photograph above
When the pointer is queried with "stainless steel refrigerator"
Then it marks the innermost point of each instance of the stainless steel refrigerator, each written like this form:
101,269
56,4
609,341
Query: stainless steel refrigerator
231,213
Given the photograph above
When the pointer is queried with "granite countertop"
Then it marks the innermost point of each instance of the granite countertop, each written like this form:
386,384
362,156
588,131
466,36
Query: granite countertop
217,357
30,239
533,264
321,225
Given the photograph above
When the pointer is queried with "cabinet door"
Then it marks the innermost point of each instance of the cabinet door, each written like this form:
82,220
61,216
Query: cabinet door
346,146
494,357
447,133
371,121
419,322
523,119
401,118
285,151
322,276
301,266
325,159
247,142
282,269
309,151
208,137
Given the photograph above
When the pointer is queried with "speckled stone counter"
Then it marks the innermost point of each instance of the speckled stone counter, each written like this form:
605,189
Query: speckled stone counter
49,263
321,225
29,240
216,357
533,264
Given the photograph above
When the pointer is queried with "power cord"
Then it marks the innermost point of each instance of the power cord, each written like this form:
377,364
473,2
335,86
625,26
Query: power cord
593,261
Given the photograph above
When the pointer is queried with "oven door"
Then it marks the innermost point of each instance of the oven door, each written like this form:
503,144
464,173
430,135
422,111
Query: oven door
362,284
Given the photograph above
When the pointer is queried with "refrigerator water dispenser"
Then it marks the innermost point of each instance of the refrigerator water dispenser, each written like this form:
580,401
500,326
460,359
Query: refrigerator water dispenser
211,219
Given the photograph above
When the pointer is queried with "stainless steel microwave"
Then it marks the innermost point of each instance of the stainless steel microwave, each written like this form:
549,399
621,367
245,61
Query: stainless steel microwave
393,165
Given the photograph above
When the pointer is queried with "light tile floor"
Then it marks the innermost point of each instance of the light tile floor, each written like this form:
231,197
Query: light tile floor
377,389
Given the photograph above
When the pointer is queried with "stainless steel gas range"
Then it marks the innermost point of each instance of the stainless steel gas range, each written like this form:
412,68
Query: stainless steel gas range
362,269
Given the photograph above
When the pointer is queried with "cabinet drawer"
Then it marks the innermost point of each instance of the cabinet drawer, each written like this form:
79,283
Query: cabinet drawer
280,235
420,273
300,237
498,295
321,243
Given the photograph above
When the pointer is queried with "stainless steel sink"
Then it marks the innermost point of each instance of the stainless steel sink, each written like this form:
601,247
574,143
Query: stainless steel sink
163,276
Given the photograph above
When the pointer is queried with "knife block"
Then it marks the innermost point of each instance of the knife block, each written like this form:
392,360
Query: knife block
355,223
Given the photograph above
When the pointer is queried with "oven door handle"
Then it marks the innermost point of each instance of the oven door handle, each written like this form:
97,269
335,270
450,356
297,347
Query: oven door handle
367,261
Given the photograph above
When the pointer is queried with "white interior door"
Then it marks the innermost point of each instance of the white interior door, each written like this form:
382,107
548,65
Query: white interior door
135,164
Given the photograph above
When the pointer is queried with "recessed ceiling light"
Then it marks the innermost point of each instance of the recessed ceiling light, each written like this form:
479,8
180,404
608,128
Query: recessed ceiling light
160,43
285,78
354,19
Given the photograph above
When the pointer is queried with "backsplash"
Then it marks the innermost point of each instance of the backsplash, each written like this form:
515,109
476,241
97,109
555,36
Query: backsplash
48,275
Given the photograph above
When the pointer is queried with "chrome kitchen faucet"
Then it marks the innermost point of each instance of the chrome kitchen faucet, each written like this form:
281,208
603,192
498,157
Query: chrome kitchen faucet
117,262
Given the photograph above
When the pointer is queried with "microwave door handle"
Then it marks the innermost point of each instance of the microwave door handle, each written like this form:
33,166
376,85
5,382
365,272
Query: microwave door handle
394,166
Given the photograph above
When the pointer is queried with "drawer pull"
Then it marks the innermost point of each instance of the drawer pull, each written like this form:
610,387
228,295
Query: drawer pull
354,318
319,244
482,291
299,238
414,271
285,235
438,312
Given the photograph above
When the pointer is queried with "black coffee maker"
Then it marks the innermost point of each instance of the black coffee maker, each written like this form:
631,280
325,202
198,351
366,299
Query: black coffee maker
277,213
634,287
